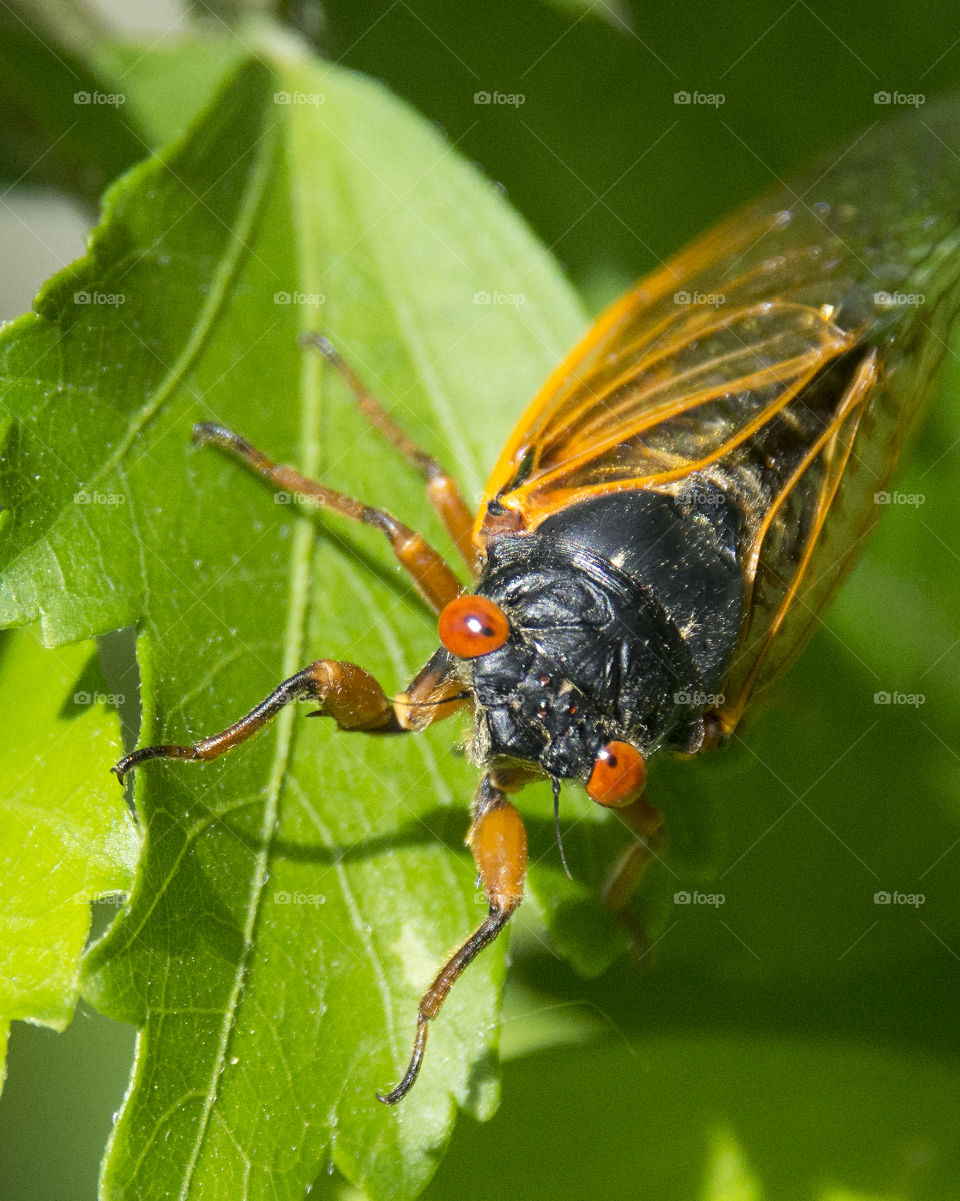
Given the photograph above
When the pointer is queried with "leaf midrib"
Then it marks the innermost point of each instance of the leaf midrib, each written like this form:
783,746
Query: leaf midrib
301,553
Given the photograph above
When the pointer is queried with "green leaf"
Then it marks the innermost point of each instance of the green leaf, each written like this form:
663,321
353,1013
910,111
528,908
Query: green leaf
166,85
294,898
66,837
708,1116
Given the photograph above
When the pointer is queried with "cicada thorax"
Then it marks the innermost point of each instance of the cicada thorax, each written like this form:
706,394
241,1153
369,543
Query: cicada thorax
624,611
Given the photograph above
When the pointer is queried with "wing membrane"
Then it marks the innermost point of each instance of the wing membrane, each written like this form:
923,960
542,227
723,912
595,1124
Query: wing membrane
795,560
698,398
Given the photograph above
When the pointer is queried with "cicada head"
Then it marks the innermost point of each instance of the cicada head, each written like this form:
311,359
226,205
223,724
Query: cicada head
575,663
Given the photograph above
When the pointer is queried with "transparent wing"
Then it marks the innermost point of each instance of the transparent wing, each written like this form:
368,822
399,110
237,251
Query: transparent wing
806,539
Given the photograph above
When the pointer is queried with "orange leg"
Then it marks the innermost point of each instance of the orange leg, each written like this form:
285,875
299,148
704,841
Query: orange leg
434,580
499,845
442,490
646,823
345,692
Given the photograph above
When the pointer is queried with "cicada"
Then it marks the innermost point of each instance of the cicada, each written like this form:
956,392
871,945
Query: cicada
672,511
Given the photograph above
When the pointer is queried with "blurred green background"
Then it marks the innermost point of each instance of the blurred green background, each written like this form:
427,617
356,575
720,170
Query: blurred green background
800,1041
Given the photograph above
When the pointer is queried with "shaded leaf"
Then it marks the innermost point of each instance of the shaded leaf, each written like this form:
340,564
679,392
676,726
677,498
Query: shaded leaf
167,85
63,125
717,1118
66,837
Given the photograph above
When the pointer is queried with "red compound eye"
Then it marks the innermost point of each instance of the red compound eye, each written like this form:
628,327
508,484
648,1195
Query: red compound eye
473,625
618,776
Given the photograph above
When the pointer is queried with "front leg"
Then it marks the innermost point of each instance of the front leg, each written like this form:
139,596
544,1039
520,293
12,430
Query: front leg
433,579
498,841
343,691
